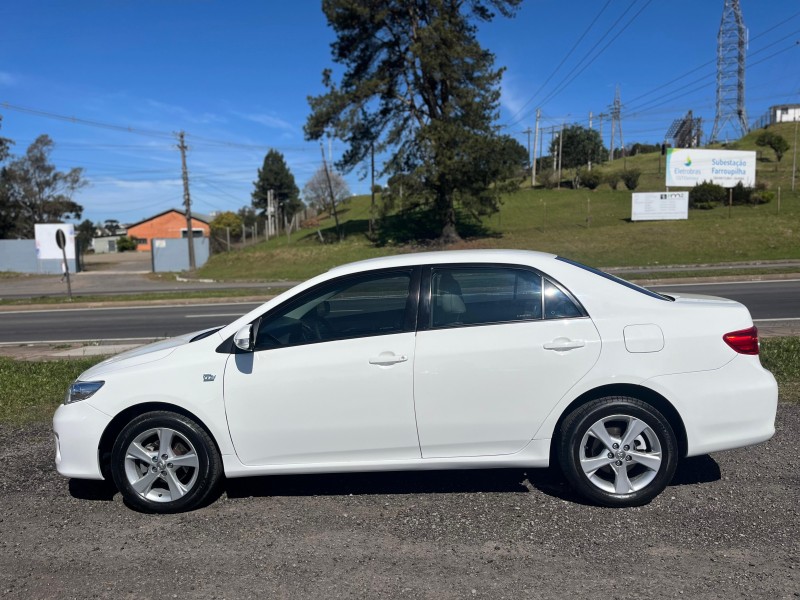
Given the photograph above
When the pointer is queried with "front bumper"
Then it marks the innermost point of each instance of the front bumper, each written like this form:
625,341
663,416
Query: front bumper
78,428
727,408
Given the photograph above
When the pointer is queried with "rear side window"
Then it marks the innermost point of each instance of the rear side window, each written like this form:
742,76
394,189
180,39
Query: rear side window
484,295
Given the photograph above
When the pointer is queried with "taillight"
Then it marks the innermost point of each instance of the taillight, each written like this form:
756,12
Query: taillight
744,341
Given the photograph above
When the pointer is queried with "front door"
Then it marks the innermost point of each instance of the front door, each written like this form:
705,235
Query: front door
331,377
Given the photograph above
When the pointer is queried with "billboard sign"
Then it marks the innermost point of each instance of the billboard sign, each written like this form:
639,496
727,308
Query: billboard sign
46,244
660,206
686,167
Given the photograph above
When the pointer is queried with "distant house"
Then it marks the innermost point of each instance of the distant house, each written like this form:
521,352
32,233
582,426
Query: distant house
783,113
170,224
105,244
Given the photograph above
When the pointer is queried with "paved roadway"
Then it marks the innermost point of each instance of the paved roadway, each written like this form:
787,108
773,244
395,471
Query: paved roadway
768,301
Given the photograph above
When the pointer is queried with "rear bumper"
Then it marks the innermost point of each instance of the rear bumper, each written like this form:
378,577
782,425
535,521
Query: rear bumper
78,428
730,407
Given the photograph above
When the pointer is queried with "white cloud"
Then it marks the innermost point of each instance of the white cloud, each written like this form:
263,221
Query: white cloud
266,120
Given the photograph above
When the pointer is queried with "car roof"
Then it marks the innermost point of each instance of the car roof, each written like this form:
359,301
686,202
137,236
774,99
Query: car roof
443,256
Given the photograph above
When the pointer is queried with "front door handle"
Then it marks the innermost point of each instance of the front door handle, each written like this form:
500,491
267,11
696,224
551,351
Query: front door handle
563,344
385,359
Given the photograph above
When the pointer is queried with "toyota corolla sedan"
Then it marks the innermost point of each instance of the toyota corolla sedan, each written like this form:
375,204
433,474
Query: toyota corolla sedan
444,360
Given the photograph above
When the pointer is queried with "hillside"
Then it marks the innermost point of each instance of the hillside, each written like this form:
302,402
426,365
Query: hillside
591,226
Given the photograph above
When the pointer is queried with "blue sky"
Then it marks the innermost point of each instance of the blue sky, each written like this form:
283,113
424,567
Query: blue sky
235,74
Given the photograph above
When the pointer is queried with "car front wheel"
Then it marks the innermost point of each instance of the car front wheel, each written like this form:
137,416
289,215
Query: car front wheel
165,462
617,451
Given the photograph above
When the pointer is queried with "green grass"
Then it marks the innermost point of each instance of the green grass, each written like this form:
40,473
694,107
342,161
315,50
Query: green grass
31,391
782,357
264,293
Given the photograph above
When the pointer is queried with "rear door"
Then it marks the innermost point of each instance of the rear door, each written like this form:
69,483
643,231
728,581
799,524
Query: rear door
497,347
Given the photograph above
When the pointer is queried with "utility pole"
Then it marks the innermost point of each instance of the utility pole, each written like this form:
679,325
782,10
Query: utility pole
187,200
589,165
530,158
535,145
560,148
372,188
794,159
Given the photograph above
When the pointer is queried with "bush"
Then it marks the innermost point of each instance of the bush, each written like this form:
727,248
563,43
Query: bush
631,178
706,195
549,180
591,179
613,178
125,244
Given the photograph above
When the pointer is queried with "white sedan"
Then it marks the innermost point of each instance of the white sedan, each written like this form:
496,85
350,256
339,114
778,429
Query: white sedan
445,360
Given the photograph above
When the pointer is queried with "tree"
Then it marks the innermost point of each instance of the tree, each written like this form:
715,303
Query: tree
580,146
8,216
418,86
225,222
248,216
275,175
35,192
317,193
85,234
775,141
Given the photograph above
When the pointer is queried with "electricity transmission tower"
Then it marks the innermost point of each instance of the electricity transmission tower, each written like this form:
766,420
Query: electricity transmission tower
731,47
616,123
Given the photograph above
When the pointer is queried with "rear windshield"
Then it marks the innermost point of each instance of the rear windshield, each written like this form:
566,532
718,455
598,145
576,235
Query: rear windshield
627,284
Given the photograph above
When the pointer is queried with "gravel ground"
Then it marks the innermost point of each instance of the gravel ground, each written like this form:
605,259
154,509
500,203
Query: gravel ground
727,527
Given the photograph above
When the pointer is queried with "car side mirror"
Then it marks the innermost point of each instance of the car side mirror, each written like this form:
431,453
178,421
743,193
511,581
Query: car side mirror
244,338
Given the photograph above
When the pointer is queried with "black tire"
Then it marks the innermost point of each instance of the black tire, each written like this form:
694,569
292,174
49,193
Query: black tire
179,477
631,474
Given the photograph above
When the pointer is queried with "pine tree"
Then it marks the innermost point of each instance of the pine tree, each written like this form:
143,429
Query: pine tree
418,85
275,175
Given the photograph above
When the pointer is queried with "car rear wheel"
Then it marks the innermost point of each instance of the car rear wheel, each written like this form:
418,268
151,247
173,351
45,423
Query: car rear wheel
617,451
165,462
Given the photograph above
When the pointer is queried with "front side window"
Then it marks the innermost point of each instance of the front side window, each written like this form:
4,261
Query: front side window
345,308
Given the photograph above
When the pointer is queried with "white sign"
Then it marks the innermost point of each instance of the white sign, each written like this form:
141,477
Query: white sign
660,206
686,167
46,246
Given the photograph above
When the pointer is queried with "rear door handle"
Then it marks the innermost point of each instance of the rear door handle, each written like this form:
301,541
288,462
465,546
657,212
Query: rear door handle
563,344
388,358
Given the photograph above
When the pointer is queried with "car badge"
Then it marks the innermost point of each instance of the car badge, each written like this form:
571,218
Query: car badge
209,377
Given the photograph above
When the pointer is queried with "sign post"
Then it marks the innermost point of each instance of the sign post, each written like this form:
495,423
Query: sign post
61,242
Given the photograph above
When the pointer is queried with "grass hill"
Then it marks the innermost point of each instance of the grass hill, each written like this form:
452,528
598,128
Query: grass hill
590,226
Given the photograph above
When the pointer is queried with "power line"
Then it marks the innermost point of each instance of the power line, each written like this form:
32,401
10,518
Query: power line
563,60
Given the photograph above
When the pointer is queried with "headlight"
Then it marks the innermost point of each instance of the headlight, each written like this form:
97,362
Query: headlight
81,390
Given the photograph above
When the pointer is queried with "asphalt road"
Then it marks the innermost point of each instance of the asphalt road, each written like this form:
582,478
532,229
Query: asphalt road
766,300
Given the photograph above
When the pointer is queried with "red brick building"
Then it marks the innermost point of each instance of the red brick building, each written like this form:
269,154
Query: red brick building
168,224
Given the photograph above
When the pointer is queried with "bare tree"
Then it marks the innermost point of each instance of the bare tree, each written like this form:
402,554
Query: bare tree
317,194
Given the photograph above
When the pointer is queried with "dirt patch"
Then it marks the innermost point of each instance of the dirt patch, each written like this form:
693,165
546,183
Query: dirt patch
726,527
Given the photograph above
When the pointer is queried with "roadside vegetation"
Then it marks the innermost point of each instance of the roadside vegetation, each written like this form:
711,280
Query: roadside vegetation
32,390
590,225
261,294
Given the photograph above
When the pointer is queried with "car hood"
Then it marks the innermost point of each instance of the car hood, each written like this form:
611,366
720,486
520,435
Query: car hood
139,356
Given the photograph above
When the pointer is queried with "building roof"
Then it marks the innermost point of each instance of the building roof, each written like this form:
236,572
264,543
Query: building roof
199,216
